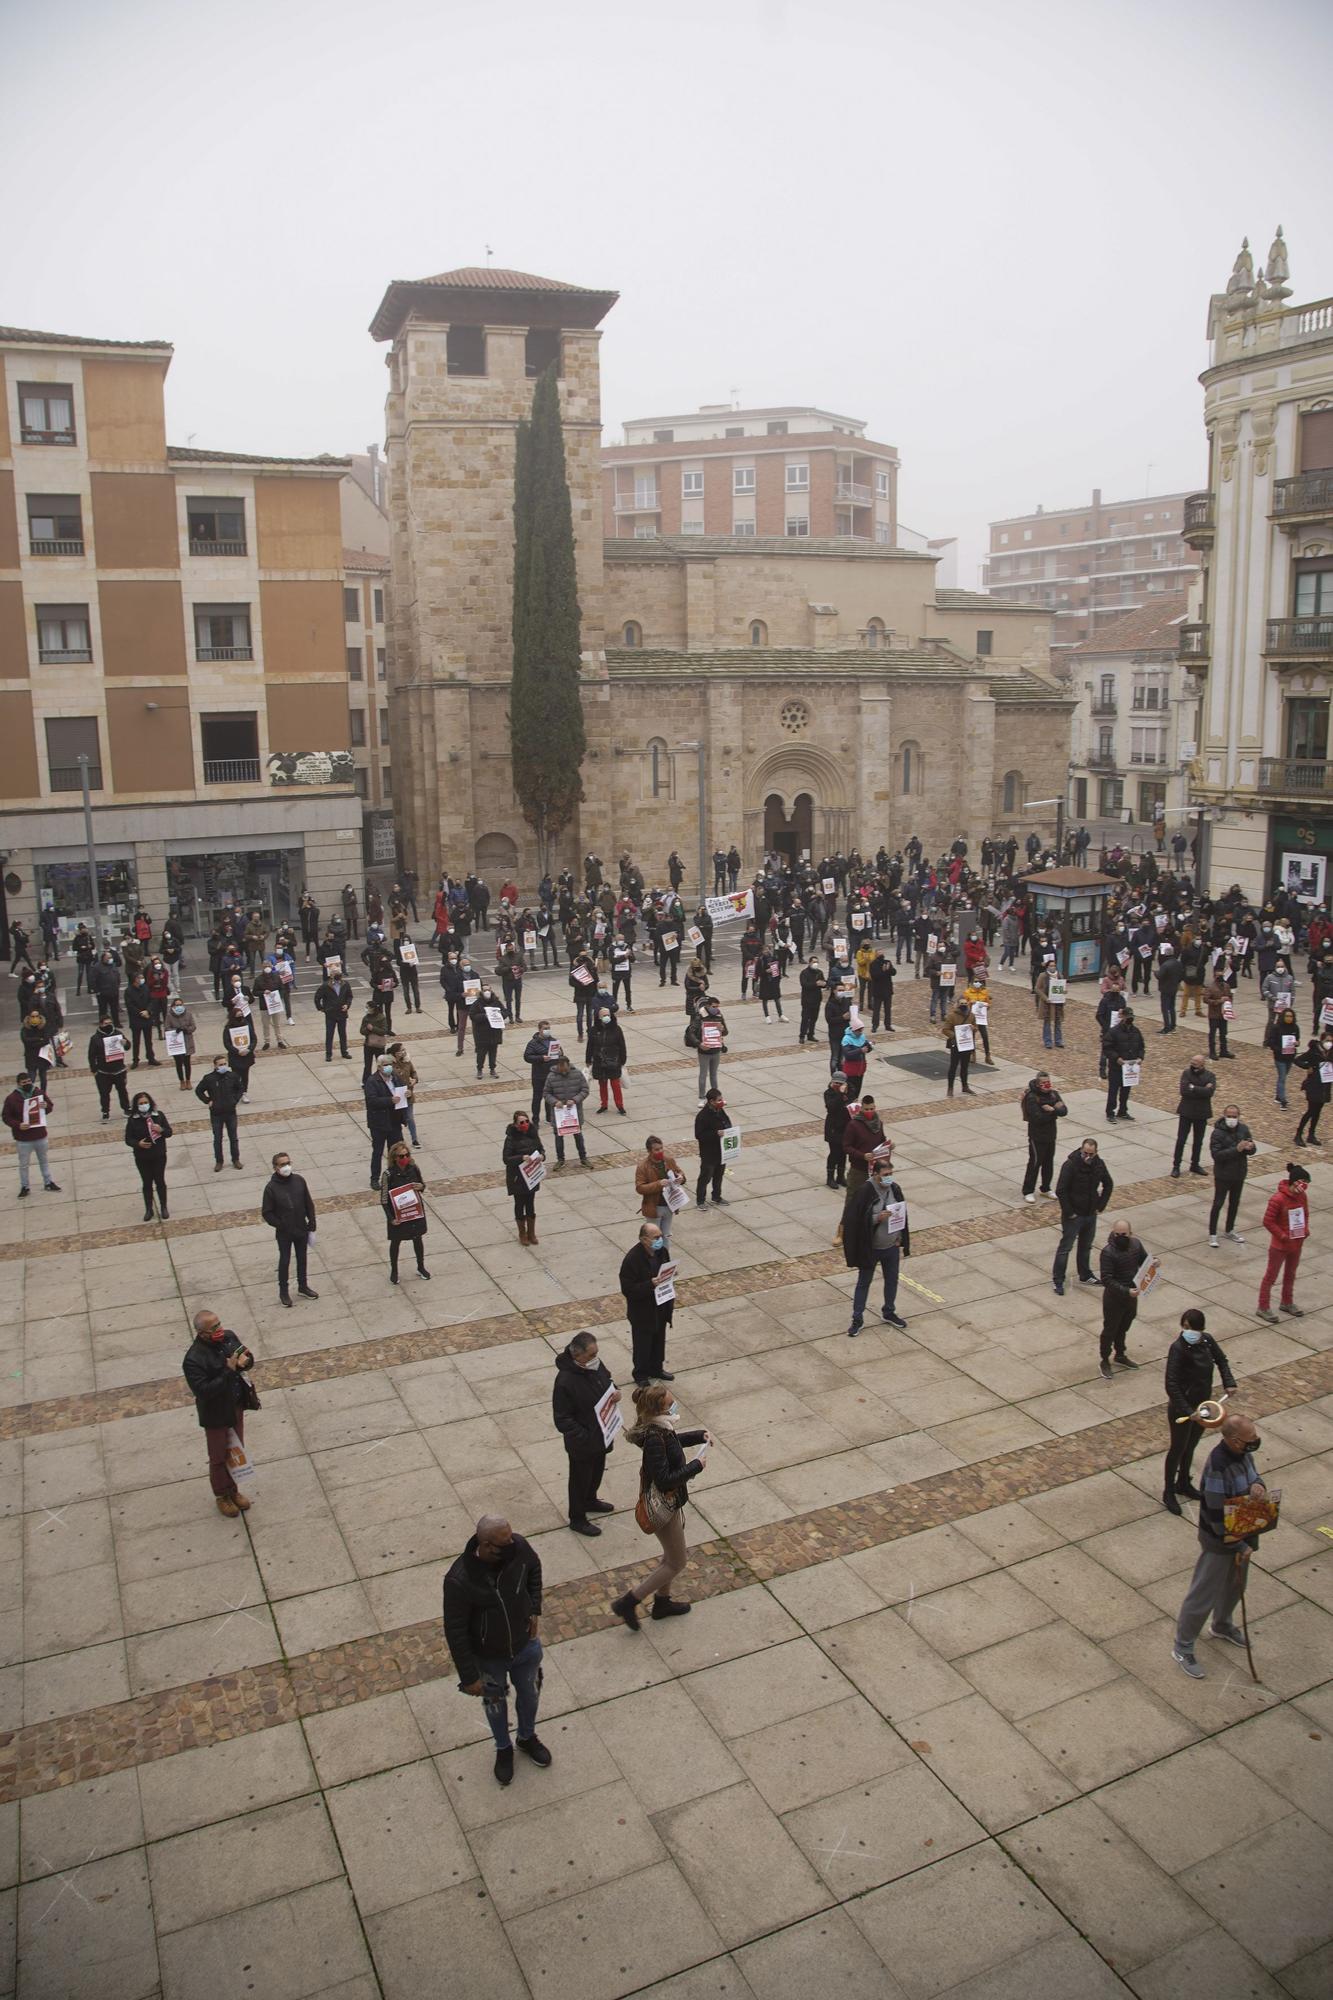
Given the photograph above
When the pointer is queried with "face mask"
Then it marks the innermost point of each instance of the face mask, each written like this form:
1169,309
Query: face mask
26,1086
655,1244
284,1171
178,1007
674,1411
142,1107
1120,1241
1231,1123
604,1017
1187,1333
219,1069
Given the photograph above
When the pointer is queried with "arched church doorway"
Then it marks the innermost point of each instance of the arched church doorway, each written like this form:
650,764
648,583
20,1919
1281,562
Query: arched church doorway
789,835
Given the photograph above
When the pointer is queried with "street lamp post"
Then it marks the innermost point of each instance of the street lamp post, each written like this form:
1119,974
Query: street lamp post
1032,805
83,763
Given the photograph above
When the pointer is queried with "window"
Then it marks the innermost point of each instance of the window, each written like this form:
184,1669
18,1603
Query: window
633,634
1004,541
734,431
798,478
798,524
875,634
645,489
691,485
659,769
62,633
222,632
357,718
216,527
465,350
776,430
1012,793
353,663
1110,797
758,632
541,346
361,781
55,524
742,479
384,727
913,769
1305,729
1148,517
351,604
1147,745
664,437
644,531
742,528
1027,534
1314,593
46,413
692,527
881,485
1064,530
386,782
984,644
1106,745
379,607
883,532
381,664
69,737
230,747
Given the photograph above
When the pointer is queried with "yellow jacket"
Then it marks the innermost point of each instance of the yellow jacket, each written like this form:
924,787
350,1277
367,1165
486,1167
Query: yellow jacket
864,953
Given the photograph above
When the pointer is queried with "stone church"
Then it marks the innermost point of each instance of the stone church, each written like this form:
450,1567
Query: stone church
805,694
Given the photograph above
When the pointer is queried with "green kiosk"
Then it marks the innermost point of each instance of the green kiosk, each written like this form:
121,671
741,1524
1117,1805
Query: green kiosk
1076,898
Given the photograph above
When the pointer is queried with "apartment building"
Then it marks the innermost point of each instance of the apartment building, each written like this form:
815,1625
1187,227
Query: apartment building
1088,564
1260,652
173,617
1127,746
792,472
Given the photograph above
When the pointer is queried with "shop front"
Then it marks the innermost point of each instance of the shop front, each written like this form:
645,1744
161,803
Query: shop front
62,883
1299,851
201,883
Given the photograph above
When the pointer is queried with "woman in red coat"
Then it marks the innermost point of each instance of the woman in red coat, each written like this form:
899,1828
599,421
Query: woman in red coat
1287,1220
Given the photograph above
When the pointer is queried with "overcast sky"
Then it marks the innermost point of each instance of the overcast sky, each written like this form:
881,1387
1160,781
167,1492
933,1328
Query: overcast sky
989,231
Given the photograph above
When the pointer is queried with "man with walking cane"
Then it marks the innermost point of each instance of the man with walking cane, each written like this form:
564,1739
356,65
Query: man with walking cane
1221,1572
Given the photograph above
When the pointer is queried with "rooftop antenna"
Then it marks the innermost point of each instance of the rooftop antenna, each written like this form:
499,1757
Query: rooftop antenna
735,397
489,253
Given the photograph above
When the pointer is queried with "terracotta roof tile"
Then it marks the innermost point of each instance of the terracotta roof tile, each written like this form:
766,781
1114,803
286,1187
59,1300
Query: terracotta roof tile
491,278
26,334
188,455
367,561
1153,627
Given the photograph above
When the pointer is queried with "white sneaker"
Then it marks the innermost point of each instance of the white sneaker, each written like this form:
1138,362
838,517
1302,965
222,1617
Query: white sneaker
1030,1197
1212,1243
1046,1195
1233,1236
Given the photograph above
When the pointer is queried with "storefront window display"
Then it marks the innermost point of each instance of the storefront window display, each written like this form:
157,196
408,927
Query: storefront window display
201,885
64,886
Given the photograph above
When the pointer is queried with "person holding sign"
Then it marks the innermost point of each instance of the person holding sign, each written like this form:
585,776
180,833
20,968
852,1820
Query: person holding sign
408,962
106,1060
566,1089
875,1236
1124,1048
706,1032
1222,1568
960,1039
1122,1258
1287,1220
770,983
1317,1062
521,1155
1049,993
657,1181
25,1112
384,1114
606,1056
488,1026
402,1197
179,1035
583,984
268,992
585,1410
540,1055
648,1316
1284,1039
333,999
711,1121
146,1133
668,950
238,1039
1217,999
213,1369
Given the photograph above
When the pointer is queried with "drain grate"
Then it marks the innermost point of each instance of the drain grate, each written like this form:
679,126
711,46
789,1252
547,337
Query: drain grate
931,1063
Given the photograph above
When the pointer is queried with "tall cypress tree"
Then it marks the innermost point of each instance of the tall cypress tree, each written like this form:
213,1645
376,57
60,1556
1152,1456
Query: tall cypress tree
546,733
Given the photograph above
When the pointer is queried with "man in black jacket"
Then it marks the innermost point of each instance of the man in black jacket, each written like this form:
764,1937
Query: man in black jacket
1231,1146
1122,1254
875,1236
104,985
581,1380
289,1211
106,1060
1124,1044
1190,1361
648,1321
221,1091
711,1121
1170,972
333,998
212,1367
492,1612
836,1114
1197,1084
1083,1190
1043,1108
384,1119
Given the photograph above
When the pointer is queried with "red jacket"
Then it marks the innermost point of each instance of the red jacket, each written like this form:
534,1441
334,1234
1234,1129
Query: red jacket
974,951
1284,1198
158,981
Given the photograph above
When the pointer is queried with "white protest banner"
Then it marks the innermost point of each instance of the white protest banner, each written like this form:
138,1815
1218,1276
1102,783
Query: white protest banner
731,1142
665,1288
273,1001
1130,1073
333,965
581,974
553,1050
858,920
472,990
34,1110
1326,1072
1289,1045
725,909
694,934
963,1038
400,1098
114,1047
1122,958
1296,1224
529,940
176,1043
239,1463
1057,990
948,974
932,943
407,951
981,1012
710,1035
675,1196
240,1041
668,940
1326,1014
566,1118
607,1412
829,886
495,1018
533,1170
895,1215
1228,1011
406,1203
1149,1271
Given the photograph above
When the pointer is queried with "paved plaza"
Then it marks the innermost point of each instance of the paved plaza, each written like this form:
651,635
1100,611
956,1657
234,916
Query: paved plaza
922,1734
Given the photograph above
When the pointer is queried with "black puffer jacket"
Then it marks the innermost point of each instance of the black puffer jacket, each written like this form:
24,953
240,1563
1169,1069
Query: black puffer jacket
1125,1042
1230,1165
574,1398
1042,1111
1118,1266
487,1607
664,1463
1084,1186
1189,1373
215,1387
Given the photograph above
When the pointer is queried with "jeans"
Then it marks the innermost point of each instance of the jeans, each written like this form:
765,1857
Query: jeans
560,1146
708,1062
713,1173
1194,1129
1080,1230
1230,1194
525,1671
887,1262
1167,1002
665,1218
334,1024
286,1244
1053,1028
29,1150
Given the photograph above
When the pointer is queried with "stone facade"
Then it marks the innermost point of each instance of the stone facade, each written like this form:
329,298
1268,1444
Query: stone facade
839,698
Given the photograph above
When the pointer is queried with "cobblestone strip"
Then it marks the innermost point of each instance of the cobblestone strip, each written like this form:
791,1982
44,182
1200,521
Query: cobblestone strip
46,1756
289,1371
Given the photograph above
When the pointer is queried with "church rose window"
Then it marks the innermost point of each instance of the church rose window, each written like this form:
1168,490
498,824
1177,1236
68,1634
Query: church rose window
794,716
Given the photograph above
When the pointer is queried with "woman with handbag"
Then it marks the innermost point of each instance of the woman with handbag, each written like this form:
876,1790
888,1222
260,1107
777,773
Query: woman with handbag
402,1193
664,1478
146,1133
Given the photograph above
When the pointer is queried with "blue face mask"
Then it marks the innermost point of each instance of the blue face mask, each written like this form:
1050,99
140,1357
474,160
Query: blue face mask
1188,1333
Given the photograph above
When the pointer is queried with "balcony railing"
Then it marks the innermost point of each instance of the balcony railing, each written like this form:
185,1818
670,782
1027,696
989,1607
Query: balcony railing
1192,643
45,545
1299,777
1299,638
224,652
231,770
1197,518
63,656
1104,707
29,436
1308,496
69,778
849,492
1101,760
638,503
199,547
